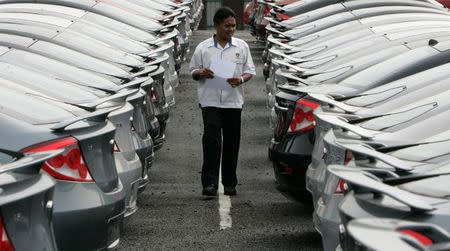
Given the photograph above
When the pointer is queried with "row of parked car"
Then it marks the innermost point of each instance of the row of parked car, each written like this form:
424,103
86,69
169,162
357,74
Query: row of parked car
358,93
85,94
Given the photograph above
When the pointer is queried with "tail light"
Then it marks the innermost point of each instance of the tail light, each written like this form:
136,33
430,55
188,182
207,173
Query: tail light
424,240
282,16
69,165
303,118
267,10
153,95
342,186
116,147
5,244
348,157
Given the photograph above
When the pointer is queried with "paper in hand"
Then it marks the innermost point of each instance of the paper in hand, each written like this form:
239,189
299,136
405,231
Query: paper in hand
223,70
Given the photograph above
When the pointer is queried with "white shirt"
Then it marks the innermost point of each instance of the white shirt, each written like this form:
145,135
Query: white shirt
236,51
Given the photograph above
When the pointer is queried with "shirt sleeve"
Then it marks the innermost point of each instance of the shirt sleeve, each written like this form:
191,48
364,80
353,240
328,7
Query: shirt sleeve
249,66
196,60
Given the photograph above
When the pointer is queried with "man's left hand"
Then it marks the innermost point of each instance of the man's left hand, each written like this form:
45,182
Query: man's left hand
234,82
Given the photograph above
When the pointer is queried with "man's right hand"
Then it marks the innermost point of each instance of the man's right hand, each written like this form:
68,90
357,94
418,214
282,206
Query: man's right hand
203,73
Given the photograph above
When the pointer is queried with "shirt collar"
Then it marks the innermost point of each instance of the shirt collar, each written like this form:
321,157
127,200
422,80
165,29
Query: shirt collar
232,42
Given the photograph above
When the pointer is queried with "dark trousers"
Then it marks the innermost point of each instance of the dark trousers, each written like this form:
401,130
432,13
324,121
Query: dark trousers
218,124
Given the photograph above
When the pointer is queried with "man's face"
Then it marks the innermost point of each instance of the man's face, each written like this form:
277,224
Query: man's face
226,28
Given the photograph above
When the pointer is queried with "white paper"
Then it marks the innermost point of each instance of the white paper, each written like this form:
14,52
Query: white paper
223,70
218,82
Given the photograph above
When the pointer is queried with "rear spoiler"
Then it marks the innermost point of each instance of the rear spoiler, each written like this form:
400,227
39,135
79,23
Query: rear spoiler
158,60
147,69
161,49
281,53
366,231
369,151
31,159
361,179
329,100
135,83
303,71
340,122
170,27
160,70
97,116
275,31
166,36
119,97
290,75
274,40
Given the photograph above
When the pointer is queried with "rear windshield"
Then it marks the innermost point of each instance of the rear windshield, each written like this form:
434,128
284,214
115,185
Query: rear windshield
437,187
31,109
388,121
424,152
373,98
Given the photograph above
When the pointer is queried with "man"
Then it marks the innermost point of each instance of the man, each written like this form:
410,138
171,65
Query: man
221,64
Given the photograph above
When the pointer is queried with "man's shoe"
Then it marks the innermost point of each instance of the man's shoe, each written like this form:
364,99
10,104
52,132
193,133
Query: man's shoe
210,191
229,191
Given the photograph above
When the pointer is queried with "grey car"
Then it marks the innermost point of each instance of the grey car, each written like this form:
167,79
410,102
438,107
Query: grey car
24,187
394,234
369,51
128,163
62,21
422,198
368,104
83,44
316,14
400,127
88,197
293,139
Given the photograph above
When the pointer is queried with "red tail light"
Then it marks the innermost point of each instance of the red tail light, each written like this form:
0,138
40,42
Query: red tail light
348,157
153,96
5,244
267,10
303,118
417,236
341,187
69,165
116,147
282,16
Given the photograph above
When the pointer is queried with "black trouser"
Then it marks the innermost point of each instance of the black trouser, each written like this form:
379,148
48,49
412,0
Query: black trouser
218,124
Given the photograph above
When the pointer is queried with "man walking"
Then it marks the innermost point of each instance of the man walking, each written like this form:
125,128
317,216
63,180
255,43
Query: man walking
221,64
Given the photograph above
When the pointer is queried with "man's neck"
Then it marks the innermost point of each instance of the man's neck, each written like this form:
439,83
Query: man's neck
221,41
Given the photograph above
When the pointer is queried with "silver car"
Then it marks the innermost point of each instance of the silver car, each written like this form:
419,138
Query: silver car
24,187
88,197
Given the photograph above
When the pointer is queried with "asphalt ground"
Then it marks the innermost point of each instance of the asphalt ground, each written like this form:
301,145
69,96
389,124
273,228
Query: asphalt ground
172,213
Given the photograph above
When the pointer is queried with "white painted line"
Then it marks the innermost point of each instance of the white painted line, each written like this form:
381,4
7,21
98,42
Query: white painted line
224,207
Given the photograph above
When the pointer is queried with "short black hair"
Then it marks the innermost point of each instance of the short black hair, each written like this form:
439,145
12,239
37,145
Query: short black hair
223,13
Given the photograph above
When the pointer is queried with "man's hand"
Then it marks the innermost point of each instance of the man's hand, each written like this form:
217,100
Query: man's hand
234,82
203,73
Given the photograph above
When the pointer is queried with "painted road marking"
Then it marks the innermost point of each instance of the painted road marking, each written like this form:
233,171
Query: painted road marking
224,207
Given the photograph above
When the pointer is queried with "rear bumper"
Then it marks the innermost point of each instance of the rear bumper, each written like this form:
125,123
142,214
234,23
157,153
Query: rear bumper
290,165
315,180
326,221
86,218
129,172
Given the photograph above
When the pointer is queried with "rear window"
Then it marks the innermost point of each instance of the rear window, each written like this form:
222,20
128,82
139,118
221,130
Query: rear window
385,122
375,97
38,18
425,152
437,187
45,7
31,109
